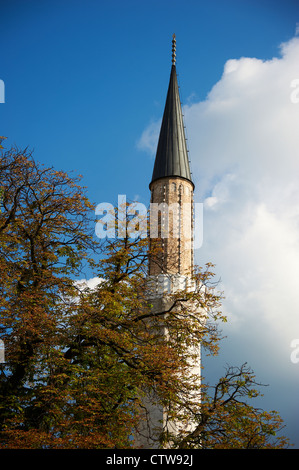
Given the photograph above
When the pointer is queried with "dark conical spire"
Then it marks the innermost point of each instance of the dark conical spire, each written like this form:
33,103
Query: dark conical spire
172,155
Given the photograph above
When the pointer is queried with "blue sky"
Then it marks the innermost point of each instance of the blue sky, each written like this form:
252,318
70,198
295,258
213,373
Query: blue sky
83,78
85,87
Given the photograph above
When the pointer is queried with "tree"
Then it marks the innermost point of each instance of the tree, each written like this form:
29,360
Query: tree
1,139
228,421
44,239
80,359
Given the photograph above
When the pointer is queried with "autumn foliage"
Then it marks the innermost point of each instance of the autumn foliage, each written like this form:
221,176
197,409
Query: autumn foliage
79,359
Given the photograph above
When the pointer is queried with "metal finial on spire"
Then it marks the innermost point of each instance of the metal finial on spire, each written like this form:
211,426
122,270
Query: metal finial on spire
173,49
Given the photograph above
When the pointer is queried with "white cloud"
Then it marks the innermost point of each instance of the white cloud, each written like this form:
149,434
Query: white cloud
244,142
149,138
88,283
244,147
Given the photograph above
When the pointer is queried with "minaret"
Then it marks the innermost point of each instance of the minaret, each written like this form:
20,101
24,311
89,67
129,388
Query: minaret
171,238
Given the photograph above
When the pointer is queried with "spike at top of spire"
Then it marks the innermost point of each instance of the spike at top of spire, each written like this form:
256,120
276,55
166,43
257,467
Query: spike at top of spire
173,49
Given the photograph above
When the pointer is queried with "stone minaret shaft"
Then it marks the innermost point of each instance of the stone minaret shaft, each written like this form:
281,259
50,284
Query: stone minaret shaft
172,217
